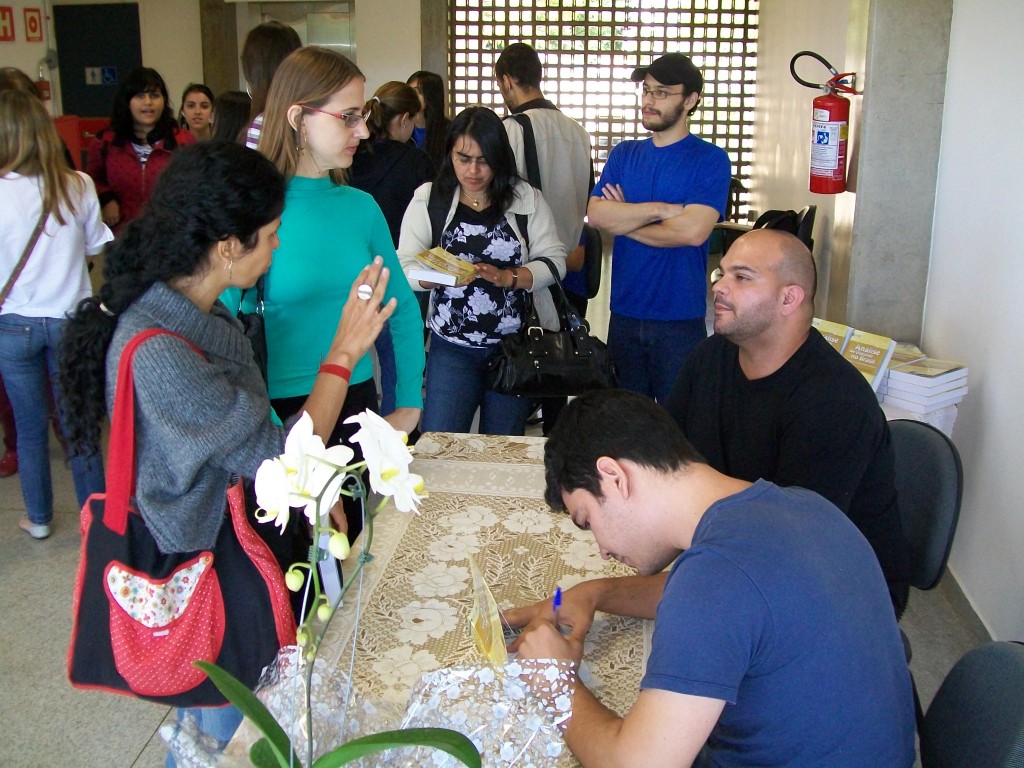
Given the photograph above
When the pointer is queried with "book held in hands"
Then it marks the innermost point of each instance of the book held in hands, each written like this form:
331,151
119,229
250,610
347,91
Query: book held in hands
441,267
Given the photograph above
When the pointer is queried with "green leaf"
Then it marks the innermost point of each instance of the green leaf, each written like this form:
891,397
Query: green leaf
262,755
452,742
247,703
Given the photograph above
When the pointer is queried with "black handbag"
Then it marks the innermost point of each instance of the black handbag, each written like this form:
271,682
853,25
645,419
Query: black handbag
254,327
539,363
141,616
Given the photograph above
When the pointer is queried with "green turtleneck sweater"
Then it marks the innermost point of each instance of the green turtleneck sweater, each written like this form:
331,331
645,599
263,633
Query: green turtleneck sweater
328,234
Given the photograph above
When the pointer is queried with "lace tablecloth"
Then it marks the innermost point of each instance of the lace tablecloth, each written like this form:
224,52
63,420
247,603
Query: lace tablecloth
486,498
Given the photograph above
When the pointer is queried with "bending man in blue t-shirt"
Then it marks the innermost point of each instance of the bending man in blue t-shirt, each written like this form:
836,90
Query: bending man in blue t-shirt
774,639
660,197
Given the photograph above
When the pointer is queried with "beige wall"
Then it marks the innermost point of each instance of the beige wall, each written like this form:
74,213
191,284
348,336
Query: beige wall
972,309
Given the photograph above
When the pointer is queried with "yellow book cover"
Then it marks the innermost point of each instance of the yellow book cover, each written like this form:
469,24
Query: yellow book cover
441,260
835,334
870,354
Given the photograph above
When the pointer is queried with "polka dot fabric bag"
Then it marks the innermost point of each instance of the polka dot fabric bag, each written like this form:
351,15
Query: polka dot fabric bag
141,617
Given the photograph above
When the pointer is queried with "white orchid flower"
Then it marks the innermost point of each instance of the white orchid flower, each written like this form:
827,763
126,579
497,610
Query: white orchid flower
272,493
387,460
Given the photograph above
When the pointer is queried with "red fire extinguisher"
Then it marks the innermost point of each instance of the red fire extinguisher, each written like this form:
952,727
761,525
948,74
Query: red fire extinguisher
830,123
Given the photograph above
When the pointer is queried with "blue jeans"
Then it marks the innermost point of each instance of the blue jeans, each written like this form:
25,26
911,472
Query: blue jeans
649,354
457,384
28,350
217,724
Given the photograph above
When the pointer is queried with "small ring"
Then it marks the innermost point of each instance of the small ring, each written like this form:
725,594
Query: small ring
365,291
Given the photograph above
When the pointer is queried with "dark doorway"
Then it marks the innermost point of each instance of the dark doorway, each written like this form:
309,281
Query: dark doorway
97,45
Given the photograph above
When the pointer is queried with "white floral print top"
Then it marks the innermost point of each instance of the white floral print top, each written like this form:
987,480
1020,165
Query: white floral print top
480,313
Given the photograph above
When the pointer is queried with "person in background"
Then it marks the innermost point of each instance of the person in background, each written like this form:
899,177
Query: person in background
432,122
38,187
312,127
561,148
265,47
660,197
200,419
232,111
12,78
390,168
500,224
126,159
196,113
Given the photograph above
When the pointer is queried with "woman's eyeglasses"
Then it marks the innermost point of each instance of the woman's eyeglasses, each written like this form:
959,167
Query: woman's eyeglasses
351,121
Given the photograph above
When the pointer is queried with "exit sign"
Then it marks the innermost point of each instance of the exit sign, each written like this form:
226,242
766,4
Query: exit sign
6,24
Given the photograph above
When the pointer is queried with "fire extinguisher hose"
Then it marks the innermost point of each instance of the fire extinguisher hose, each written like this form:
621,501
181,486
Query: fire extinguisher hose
835,83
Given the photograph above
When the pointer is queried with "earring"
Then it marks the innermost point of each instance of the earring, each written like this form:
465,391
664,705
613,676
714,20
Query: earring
228,265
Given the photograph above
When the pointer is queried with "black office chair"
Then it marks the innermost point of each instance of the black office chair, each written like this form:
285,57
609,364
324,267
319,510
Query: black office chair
976,719
929,485
929,488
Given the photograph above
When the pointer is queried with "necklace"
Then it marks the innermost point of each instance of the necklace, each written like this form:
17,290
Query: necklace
474,201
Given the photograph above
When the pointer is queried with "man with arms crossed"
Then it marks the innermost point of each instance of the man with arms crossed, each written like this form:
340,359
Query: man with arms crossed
768,397
774,641
660,197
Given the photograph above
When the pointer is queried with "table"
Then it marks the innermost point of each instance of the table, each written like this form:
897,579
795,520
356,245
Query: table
486,497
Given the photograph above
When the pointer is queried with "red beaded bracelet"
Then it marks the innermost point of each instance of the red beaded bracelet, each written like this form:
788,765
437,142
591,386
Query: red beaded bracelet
337,370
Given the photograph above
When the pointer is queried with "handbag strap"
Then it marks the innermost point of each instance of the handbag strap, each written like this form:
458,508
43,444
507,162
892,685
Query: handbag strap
259,295
568,316
121,453
24,257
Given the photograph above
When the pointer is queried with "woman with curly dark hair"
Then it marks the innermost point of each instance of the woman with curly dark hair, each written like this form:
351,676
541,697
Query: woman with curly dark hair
126,159
199,419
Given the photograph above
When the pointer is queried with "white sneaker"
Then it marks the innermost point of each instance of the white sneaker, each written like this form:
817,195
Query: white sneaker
34,530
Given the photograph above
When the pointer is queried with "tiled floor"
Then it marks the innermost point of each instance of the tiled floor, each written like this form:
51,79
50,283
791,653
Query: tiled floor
44,722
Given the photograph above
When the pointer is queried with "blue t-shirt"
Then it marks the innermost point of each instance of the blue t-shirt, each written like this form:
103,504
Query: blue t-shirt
779,609
651,283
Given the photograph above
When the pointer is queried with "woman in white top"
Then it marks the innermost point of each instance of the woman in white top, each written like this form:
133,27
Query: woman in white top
35,183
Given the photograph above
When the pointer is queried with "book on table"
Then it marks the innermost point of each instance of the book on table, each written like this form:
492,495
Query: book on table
897,385
917,403
835,334
869,353
928,372
441,267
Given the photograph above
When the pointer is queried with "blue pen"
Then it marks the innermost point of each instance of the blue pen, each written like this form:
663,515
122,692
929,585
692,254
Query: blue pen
556,603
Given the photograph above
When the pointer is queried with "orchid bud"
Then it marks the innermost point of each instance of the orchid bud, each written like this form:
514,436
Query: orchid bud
301,638
338,545
323,612
294,579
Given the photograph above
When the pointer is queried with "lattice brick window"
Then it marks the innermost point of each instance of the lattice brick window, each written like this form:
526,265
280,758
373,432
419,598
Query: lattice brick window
589,48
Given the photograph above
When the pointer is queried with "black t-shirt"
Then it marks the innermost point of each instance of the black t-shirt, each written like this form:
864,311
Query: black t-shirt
814,423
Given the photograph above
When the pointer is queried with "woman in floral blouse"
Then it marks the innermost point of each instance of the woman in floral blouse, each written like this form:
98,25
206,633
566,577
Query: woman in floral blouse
499,223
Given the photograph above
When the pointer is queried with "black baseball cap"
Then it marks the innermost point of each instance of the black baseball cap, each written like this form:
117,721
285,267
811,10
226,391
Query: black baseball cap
672,69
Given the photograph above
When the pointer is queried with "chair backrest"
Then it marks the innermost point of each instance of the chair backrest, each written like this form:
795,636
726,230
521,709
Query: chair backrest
929,484
805,226
593,253
976,719
732,203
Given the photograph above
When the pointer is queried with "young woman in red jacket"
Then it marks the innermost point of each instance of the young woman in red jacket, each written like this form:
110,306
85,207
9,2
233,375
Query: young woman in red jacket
126,158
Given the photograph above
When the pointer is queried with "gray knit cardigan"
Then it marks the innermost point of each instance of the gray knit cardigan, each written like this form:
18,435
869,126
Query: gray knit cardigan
198,420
